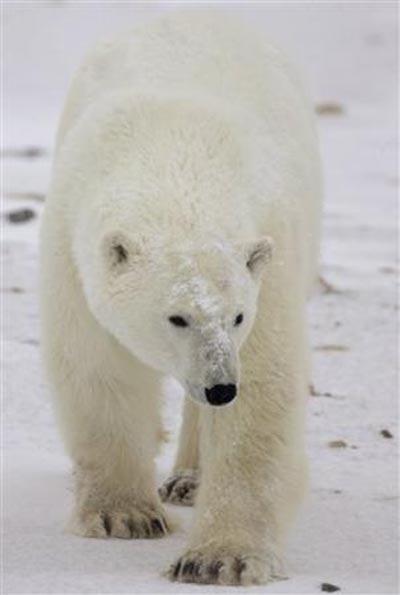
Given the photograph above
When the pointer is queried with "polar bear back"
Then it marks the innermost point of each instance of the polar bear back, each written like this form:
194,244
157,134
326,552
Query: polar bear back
205,51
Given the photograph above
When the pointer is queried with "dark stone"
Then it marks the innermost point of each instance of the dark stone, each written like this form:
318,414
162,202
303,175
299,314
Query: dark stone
329,588
330,108
20,215
386,434
29,152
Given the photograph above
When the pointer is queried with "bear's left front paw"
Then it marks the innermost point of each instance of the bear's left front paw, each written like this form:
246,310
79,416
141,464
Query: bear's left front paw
223,568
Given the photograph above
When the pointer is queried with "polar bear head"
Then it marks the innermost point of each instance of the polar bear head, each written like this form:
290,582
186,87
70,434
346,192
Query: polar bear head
185,313
159,271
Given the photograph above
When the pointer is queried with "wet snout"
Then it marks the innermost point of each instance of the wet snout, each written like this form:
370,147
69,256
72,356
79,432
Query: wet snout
214,373
222,370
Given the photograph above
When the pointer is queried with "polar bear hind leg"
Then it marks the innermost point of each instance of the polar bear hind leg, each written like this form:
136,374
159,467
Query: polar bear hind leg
181,487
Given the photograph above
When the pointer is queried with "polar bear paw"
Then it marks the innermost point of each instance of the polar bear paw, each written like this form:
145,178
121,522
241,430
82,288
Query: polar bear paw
222,568
141,522
181,488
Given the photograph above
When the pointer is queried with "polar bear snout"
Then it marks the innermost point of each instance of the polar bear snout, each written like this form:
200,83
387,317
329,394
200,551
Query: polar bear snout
220,394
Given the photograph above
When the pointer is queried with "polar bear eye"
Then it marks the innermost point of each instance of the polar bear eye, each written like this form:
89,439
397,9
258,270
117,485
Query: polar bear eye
178,321
120,253
238,319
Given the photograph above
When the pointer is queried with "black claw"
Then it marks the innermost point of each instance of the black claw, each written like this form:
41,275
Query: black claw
165,525
197,569
157,527
182,491
107,523
238,567
214,568
169,486
131,527
241,566
146,529
177,569
188,567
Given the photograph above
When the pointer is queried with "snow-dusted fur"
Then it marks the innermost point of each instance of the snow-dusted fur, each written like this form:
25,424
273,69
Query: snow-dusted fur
186,184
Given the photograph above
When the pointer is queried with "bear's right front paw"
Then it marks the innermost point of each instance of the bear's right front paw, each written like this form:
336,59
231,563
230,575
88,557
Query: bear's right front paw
222,567
181,488
144,522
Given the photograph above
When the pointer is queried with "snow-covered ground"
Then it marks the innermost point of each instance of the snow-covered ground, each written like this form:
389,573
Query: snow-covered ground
347,534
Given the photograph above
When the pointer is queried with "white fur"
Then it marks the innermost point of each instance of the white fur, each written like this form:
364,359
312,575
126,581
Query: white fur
186,149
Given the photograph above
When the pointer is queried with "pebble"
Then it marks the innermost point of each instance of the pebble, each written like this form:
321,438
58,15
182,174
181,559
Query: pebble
337,444
20,215
328,588
329,108
386,434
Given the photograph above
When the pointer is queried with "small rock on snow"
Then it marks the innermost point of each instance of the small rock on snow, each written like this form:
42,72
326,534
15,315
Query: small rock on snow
20,215
328,588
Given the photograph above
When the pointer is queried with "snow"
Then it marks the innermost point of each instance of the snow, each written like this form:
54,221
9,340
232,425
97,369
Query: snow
347,533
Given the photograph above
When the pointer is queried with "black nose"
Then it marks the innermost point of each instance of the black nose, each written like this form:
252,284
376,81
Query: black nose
220,394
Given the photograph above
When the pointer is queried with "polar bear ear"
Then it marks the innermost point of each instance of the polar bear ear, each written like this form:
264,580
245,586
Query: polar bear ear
120,252
258,254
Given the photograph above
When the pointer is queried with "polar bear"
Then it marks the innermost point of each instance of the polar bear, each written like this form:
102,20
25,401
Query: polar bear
180,237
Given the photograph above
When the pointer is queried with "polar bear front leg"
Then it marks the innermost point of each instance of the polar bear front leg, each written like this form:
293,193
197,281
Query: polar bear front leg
253,477
251,482
181,487
110,428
